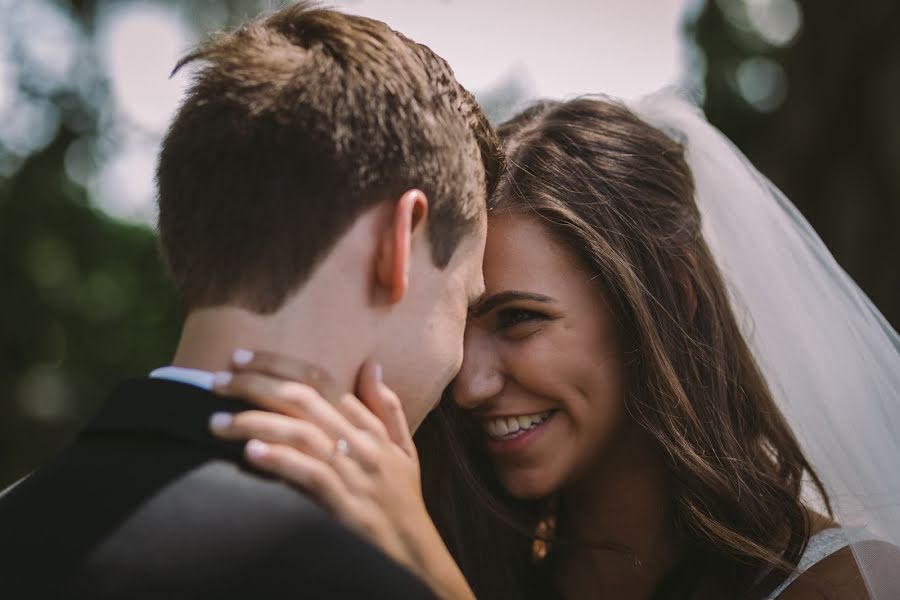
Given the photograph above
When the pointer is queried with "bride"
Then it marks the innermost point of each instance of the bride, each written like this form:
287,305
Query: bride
670,389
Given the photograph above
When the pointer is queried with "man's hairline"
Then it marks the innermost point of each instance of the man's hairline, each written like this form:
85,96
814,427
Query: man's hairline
233,302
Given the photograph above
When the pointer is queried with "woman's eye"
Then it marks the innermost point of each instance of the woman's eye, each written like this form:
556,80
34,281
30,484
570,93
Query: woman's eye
511,317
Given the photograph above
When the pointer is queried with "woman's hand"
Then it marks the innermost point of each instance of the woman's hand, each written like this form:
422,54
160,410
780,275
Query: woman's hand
356,459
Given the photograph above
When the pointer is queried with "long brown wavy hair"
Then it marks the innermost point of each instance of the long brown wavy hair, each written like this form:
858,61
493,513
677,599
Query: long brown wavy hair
621,195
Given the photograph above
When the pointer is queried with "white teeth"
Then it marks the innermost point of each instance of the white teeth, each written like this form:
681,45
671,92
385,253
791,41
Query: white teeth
510,427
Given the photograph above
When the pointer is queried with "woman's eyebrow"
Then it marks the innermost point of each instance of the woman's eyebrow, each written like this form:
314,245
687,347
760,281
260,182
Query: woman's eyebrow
488,303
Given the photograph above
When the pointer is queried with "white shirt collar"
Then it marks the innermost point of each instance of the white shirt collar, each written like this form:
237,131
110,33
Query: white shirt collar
196,377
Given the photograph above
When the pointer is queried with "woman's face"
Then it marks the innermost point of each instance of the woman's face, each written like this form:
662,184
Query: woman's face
542,369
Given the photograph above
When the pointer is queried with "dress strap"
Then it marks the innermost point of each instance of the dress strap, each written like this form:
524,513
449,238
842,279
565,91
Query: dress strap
820,546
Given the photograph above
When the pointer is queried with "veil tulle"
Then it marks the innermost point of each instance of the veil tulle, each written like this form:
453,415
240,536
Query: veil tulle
831,359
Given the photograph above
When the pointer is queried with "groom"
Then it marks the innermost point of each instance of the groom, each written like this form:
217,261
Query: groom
322,195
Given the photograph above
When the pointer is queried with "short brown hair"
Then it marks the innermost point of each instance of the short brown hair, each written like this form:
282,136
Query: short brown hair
295,125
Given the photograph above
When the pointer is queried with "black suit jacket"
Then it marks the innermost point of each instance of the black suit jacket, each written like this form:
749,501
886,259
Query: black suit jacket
147,504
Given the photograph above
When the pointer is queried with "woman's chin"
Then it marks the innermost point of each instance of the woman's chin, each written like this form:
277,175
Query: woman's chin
527,487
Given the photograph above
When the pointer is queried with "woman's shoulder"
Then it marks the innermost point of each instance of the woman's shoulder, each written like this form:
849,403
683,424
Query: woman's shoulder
829,568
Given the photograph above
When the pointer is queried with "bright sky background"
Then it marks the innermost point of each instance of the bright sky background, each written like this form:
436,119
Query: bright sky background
541,48
620,47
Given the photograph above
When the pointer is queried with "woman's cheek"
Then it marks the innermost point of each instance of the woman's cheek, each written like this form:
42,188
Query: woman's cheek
598,415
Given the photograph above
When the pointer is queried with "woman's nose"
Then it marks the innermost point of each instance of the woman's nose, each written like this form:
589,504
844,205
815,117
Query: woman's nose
481,376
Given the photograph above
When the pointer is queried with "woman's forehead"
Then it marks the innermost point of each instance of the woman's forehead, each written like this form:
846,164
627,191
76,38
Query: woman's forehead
521,253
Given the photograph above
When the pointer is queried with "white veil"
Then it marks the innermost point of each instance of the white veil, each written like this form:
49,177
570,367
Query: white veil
829,356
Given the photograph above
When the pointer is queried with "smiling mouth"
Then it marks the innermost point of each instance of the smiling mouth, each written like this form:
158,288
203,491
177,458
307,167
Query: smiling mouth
508,428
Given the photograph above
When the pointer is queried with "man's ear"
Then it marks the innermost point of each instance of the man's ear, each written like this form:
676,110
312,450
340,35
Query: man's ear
395,251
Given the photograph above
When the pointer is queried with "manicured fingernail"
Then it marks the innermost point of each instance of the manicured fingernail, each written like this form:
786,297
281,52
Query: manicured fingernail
220,420
242,357
379,372
257,449
222,378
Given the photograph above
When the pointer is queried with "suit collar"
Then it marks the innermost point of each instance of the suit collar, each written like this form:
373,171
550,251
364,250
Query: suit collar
167,408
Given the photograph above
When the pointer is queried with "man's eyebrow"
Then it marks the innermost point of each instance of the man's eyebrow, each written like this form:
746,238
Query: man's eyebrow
486,303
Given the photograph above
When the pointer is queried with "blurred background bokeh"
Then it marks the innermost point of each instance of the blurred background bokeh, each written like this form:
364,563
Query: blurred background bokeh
808,89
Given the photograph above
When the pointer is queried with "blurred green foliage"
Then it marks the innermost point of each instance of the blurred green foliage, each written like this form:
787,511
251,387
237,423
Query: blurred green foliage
829,134
85,301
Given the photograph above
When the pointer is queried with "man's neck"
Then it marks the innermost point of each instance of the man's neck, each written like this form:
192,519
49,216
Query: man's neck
210,337
329,322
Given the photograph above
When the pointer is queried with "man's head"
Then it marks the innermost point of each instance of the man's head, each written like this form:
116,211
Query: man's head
296,127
